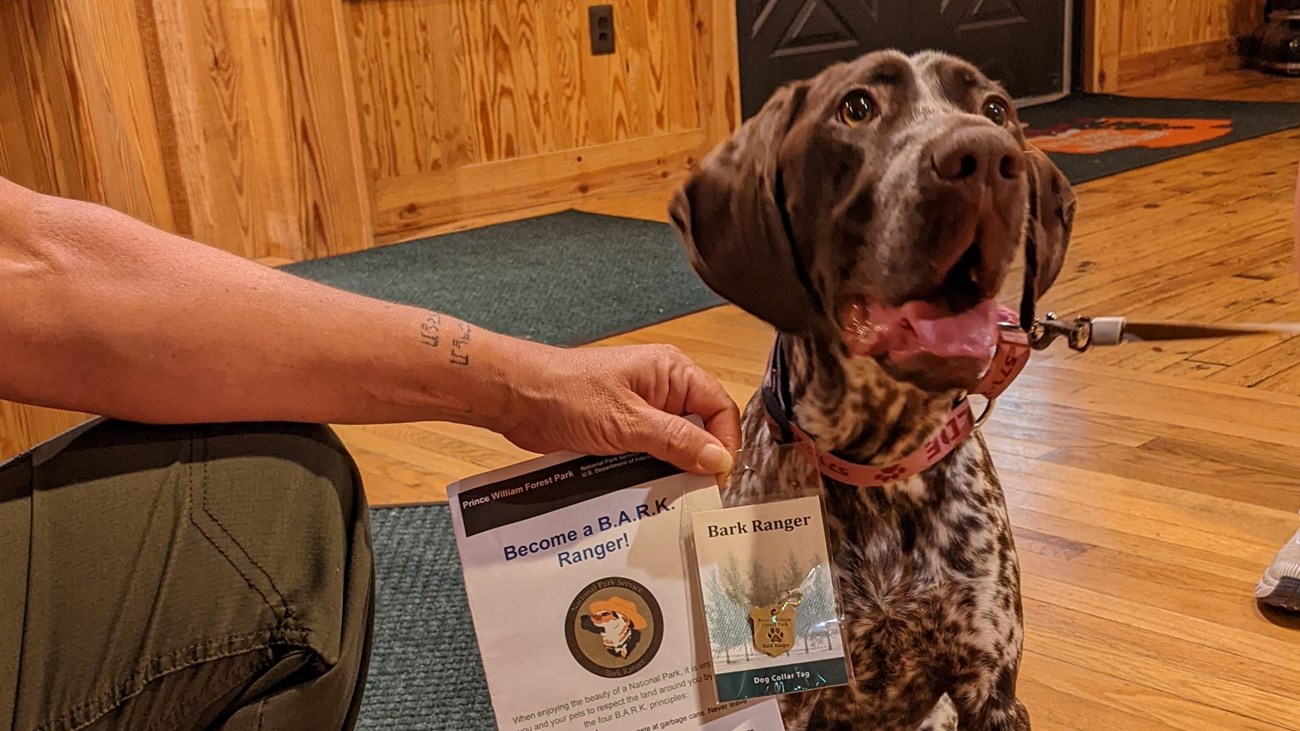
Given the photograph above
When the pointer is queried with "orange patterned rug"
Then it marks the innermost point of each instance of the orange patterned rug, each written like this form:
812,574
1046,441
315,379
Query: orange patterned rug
1092,136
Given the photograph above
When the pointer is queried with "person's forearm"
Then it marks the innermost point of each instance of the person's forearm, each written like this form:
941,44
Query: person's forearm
103,314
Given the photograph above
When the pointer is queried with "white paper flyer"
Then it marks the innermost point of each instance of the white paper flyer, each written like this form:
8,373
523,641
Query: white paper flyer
581,599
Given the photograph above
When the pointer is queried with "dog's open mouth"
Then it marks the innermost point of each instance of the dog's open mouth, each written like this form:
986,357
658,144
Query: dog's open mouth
923,342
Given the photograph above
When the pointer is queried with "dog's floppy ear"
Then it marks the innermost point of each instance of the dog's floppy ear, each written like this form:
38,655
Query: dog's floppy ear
1047,233
730,215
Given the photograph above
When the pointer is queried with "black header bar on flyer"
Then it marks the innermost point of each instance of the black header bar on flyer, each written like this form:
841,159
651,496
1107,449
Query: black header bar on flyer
567,483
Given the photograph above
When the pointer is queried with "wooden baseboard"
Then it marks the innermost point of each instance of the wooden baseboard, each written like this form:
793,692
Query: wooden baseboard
1181,62
417,205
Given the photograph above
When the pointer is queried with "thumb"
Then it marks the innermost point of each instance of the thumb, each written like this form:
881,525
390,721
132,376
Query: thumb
680,443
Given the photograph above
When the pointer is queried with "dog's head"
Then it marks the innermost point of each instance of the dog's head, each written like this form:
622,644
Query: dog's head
878,206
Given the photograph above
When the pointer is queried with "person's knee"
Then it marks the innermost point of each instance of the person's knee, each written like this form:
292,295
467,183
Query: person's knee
231,547
301,504
317,533
318,449
286,505
295,468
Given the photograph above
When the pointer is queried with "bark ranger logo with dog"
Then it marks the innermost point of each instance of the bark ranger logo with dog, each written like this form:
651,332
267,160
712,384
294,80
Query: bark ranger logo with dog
614,627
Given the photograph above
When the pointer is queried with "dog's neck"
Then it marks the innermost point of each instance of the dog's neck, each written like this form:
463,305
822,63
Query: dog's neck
852,408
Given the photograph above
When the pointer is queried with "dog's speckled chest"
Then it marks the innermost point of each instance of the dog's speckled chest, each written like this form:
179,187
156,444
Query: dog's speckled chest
927,576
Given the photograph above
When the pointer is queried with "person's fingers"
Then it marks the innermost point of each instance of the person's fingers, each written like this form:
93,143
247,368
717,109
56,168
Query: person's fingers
678,442
669,380
706,398
726,427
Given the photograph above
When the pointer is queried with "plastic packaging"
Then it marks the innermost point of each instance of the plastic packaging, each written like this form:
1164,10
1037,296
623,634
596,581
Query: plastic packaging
767,589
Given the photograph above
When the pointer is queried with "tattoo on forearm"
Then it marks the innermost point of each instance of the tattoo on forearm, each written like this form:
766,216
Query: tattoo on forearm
431,335
429,330
460,346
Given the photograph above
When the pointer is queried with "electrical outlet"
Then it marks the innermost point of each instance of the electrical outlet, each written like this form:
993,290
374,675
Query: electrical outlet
600,18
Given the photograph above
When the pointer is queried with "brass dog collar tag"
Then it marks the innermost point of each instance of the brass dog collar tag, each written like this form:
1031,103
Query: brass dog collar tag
774,626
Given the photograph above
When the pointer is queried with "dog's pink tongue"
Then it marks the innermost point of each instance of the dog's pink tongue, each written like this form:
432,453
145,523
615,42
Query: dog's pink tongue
920,327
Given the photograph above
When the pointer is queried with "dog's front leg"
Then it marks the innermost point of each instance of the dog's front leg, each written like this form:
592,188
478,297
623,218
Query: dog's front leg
998,712
1014,717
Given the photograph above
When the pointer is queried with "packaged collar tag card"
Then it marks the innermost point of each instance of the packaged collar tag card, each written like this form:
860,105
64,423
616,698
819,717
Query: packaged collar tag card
769,600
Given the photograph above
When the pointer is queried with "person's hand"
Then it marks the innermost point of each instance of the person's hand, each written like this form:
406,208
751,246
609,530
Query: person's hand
606,401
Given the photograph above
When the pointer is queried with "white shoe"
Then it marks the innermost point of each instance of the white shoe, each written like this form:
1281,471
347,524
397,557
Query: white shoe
1280,585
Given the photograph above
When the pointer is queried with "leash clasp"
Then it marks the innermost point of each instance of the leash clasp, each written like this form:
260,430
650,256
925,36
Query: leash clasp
1078,333
1081,333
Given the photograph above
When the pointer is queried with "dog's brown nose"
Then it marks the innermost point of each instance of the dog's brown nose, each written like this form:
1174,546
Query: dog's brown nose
978,156
978,186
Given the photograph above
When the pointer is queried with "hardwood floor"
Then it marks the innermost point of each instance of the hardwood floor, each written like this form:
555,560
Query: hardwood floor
1149,485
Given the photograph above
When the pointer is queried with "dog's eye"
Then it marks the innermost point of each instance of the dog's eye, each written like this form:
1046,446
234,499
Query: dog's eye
857,107
996,110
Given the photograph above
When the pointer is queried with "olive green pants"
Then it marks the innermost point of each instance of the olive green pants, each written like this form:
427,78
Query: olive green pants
215,577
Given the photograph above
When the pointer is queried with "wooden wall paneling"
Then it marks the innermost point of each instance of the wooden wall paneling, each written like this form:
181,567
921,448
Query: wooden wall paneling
20,150
233,123
607,81
191,69
1195,60
470,107
567,103
416,204
677,40
528,51
1158,25
1132,42
1137,26
450,84
19,160
334,201
487,75
717,71
265,129
1102,41
83,107
121,148
397,73
48,156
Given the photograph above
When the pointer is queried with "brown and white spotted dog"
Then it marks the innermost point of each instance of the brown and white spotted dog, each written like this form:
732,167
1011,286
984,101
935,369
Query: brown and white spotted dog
871,214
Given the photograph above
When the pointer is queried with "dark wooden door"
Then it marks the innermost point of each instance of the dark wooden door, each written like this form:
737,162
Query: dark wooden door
1022,43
